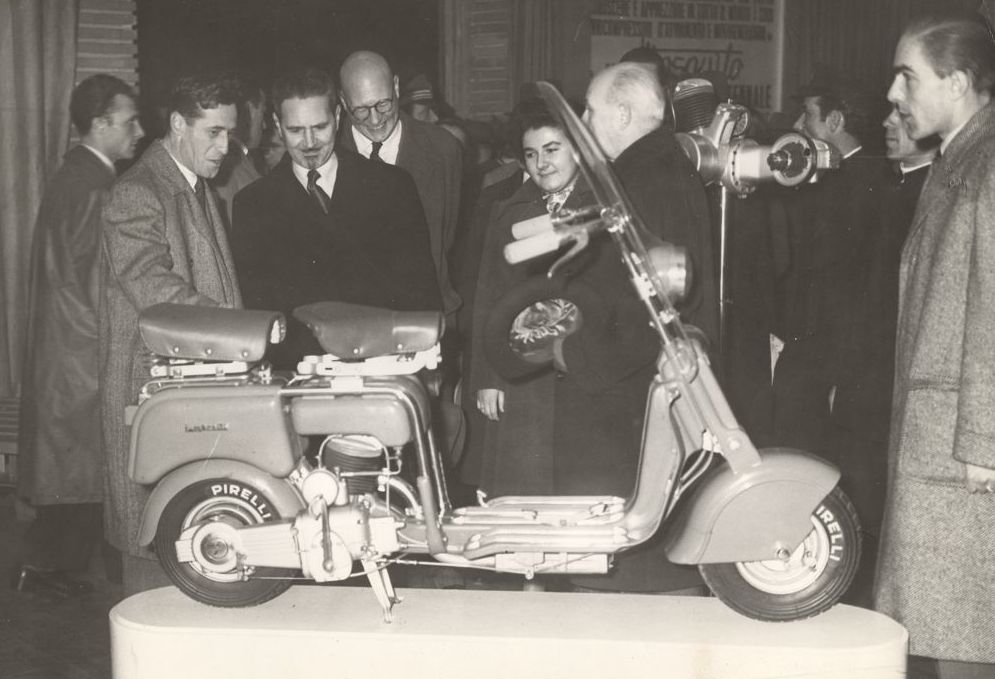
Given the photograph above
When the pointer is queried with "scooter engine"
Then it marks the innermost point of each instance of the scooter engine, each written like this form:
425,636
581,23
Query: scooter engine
359,460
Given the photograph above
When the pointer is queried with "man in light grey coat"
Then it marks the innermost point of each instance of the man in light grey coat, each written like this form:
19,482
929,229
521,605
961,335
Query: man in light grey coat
163,241
936,570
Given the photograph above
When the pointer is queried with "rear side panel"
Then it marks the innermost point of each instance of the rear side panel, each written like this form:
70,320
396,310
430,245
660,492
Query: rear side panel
180,425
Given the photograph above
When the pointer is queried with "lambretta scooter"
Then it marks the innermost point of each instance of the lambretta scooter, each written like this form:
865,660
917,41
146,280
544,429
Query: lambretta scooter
242,507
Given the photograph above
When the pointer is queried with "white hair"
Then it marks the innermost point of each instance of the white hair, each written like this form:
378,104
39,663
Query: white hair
637,86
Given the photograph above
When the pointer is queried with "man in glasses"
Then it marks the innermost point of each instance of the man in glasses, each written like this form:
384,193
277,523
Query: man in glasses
379,130
325,224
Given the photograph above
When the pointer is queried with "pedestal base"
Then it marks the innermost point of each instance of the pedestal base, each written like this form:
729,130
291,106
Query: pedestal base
339,632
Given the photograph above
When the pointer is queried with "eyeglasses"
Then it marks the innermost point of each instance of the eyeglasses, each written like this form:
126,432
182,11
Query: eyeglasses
363,112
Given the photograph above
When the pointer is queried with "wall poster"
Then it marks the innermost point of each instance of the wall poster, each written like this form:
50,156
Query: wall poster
741,39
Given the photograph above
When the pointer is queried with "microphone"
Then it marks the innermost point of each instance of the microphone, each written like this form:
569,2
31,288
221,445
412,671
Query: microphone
694,104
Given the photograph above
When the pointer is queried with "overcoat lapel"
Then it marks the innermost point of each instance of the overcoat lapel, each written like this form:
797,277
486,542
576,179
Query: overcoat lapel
186,201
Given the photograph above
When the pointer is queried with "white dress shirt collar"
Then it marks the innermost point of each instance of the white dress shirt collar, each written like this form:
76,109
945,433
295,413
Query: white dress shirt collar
104,159
188,174
905,169
389,150
328,172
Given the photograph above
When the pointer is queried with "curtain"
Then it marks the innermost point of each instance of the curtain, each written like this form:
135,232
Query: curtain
532,42
37,71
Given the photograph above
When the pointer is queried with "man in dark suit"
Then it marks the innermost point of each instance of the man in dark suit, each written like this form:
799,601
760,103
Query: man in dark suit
379,130
61,456
163,241
861,415
327,224
828,224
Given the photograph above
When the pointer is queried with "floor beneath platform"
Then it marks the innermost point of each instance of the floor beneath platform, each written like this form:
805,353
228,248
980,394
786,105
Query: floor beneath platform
48,638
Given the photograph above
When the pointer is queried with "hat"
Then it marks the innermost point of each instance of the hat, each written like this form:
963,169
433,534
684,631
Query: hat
417,89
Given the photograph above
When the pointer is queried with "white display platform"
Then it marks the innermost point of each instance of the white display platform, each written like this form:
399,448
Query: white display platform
339,632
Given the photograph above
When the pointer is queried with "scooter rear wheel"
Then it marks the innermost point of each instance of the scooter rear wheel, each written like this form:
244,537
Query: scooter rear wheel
213,576
811,580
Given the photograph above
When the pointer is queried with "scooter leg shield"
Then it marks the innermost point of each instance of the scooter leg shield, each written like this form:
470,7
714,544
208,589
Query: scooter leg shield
284,496
753,515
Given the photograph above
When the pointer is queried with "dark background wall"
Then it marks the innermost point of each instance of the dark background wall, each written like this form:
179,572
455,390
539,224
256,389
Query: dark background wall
478,52
263,36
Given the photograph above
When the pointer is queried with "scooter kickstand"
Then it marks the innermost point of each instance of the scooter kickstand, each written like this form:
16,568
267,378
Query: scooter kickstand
382,587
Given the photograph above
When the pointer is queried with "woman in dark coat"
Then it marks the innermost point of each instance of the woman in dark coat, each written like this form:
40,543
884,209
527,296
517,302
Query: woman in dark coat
516,456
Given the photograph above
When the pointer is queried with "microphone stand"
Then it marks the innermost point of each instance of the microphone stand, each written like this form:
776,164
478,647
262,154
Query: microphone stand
724,300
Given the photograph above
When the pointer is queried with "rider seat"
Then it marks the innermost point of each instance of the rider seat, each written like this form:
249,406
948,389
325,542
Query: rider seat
353,331
202,333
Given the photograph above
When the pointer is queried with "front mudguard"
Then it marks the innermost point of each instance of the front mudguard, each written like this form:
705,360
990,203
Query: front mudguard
285,497
753,515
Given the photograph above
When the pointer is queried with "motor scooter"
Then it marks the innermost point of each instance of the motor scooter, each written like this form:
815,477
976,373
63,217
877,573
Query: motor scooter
243,505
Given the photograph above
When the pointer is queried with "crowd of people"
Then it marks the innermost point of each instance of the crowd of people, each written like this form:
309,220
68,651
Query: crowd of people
876,328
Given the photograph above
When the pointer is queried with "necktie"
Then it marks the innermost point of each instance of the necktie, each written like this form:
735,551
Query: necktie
201,190
319,194
375,153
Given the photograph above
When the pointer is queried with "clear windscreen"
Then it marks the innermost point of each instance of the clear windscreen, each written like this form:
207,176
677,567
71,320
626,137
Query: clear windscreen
626,229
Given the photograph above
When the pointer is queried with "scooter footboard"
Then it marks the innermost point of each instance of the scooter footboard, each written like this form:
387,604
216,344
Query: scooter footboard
753,515
284,497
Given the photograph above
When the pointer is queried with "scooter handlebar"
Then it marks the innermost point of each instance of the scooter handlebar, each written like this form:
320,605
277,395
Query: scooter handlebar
531,227
533,246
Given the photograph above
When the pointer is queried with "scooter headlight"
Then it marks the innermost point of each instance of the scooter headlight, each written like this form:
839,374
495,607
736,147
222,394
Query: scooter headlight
673,269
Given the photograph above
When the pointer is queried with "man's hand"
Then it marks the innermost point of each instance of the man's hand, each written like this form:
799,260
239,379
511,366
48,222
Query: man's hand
979,479
490,402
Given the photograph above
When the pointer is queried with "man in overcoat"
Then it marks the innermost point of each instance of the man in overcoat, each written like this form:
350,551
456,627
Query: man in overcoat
163,241
828,226
858,435
937,563
613,360
379,130
327,224
60,450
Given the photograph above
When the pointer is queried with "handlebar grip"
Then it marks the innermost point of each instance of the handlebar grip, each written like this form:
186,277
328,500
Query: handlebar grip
533,246
531,227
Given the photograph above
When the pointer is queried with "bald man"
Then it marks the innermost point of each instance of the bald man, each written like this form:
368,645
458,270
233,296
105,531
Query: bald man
379,130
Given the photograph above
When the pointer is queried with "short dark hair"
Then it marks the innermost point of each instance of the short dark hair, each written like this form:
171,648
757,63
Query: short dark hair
303,83
93,98
957,41
862,110
530,114
192,94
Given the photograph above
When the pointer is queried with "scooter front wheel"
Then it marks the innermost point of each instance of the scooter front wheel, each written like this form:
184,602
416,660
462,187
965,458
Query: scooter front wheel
808,581
208,570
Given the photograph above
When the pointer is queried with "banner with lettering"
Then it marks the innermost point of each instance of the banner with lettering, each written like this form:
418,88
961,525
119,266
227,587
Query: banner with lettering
741,39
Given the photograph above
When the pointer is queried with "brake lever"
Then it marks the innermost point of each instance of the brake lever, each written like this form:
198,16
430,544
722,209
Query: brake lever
580,242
